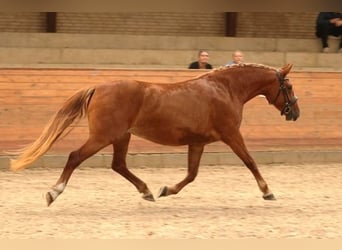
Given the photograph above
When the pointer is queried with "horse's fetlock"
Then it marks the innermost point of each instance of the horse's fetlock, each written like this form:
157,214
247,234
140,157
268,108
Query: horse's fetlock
57,190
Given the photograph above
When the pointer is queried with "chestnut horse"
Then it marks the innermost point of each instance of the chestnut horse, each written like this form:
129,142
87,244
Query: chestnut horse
195,112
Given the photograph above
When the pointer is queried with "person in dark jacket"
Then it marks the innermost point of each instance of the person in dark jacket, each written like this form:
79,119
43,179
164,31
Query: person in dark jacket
202,62
329,23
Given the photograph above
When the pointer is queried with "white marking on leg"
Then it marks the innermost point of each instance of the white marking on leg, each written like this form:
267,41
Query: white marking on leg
57,190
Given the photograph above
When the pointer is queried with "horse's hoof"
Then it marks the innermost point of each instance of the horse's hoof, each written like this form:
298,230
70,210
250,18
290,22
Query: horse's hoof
163,192
269,197
148,197
48,198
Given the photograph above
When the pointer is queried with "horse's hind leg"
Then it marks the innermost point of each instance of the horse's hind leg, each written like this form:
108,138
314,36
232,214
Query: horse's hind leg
237,144
119,165
75,159
194,157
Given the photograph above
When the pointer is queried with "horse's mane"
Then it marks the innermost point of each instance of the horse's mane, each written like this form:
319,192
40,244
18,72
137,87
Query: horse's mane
254,65
228,67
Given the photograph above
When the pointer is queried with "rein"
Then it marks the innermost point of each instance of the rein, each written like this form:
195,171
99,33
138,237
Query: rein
283,89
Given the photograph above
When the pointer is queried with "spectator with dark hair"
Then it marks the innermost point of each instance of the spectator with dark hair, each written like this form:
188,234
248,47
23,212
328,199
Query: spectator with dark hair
329,23
202,62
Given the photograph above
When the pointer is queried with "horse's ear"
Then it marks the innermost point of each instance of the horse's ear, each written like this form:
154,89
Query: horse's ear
286,69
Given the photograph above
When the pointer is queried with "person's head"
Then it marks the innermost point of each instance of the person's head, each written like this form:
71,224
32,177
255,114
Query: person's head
237,57
203,56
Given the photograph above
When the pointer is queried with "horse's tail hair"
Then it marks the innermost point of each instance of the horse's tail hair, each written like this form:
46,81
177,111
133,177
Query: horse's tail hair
71,112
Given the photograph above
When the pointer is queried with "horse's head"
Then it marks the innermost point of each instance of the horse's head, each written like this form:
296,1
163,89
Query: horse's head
283,97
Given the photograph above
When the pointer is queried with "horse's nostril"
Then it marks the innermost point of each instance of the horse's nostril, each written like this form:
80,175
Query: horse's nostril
287,110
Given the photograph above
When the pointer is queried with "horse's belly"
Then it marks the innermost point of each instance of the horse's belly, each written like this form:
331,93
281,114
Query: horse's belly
155,136
176,137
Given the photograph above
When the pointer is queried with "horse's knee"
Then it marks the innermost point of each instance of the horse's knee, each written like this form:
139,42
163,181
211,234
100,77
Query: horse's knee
118,166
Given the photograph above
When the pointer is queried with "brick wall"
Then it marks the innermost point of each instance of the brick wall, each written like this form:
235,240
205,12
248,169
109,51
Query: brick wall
276,25
250,24
152,23
22,22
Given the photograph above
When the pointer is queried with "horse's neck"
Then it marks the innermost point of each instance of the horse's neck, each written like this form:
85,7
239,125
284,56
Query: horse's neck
249,84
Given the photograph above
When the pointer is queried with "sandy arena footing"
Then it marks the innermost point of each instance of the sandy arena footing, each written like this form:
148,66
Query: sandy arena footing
223,202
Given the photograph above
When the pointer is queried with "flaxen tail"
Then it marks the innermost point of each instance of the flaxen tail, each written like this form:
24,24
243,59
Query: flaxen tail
72,111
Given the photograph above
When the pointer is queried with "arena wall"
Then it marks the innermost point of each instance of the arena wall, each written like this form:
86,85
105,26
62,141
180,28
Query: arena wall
29,97
249,24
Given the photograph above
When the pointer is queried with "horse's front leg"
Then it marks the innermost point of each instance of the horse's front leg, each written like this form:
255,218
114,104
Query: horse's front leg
194,157
236,142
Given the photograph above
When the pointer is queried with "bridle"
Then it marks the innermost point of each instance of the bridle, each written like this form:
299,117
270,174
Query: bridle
283,89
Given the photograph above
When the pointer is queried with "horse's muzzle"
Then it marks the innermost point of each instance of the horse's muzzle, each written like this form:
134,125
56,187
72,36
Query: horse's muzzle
291,115
291,110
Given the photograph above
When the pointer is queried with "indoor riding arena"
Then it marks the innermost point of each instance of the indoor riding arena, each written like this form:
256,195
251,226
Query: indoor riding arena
45,62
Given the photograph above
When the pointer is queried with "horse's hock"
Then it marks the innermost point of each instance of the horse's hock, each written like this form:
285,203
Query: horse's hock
29,97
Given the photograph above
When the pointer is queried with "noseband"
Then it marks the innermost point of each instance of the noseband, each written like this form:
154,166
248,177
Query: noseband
282,89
